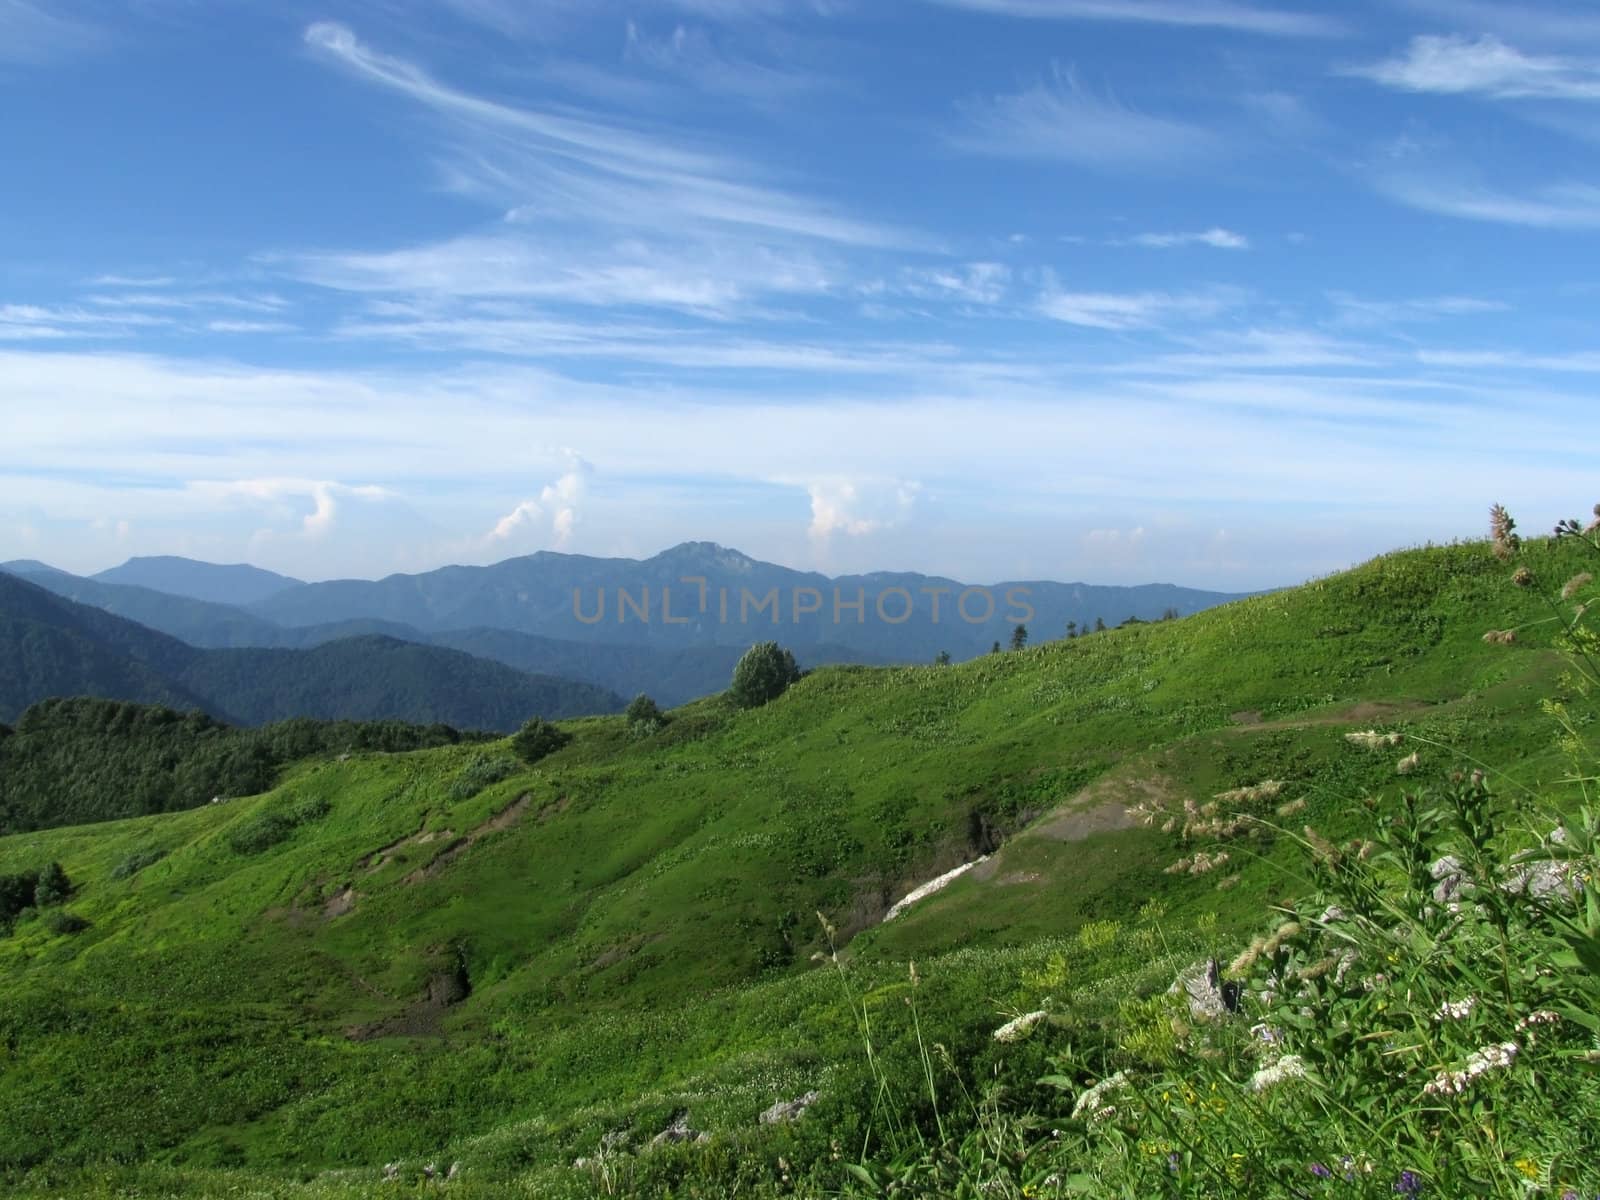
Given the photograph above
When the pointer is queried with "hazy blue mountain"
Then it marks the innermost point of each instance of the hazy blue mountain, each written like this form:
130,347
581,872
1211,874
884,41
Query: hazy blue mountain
220,583
30,566
51,646
199,622
603,600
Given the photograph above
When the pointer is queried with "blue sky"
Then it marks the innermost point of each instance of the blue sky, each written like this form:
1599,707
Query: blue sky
1208,291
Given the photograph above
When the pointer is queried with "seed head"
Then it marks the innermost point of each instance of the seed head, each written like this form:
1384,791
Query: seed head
1522,577
1502,532
1576,584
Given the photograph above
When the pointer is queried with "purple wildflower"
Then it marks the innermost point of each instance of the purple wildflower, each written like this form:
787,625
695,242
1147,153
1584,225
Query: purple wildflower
1409,1183
1172,1162
1320,1171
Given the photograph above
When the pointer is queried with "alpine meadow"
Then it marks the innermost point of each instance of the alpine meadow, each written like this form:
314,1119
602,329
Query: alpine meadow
799,600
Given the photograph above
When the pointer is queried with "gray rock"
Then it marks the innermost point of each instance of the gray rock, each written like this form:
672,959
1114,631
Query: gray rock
788,1110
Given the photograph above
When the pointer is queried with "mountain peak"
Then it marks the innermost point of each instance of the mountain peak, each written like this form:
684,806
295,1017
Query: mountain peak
707,552
29,566
219,583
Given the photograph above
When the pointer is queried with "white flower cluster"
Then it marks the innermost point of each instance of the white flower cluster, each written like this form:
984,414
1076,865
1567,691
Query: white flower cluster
1017,1029
1290,1066
1490,1058
1456,1010
1093,1101
1371,739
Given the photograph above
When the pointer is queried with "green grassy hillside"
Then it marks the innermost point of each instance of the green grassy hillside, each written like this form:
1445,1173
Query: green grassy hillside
381,961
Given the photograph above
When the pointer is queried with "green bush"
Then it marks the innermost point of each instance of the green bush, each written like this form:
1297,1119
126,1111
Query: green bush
267,829
64,923
537,739
763,674
53,886
644,716
136,862
482,771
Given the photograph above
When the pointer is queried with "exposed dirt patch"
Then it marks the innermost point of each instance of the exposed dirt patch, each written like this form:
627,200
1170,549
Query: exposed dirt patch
1362,711
504,819
339,903
554,809
425,1015
1246,716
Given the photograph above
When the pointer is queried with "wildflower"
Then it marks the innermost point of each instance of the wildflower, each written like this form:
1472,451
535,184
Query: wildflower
1320,1171
1502,532
1093,1100
1268,1035
1290,1066
1456,1010
1018,1028
1408,764
1593,525
1409,1184
1371,739
1489,1058
1172,1162
1528,1168
1522,577
1576,584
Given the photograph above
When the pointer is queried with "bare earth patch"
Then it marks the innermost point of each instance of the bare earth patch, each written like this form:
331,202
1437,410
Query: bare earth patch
504,819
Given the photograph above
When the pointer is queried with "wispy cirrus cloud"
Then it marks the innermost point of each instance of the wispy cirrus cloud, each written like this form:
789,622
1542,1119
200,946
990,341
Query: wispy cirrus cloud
1216,238
696,58
1061,119
32,33
1553,206
580,165
1487,66
1123,311
1216,14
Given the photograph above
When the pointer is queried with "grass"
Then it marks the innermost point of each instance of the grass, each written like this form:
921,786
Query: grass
633,919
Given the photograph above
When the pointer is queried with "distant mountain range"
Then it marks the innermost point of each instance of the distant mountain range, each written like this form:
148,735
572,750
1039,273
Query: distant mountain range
672,625
51,646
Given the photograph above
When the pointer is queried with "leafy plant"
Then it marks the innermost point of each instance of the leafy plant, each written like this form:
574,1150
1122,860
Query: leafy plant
763,674
537,739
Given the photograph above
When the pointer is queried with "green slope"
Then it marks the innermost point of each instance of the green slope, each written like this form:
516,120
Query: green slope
369,962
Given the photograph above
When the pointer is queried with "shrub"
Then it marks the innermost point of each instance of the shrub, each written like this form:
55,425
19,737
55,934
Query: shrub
537,739
481,771
65,923
53,886
16,893
763,674
136,862
268,828
644,716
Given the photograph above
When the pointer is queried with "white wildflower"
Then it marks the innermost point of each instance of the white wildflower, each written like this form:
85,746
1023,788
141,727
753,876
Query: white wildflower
1371,739
1456,1010
1290,1066
1093,1100
1489,1058
1019,1028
